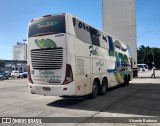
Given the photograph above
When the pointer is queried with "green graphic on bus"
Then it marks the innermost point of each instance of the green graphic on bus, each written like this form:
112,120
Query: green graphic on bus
48,43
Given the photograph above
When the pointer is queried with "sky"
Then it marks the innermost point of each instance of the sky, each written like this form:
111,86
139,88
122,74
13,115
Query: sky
16,14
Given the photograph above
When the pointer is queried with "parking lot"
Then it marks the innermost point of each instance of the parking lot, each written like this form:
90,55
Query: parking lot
140,99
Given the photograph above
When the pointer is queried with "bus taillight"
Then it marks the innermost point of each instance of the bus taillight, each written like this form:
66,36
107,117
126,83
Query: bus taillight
69,74
29,75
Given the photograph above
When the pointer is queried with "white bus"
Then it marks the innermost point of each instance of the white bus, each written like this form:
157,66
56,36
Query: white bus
68,57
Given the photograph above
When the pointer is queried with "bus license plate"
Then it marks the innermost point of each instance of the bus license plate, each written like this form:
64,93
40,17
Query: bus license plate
46,89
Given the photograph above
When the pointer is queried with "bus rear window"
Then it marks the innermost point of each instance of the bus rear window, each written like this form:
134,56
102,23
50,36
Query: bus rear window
47,25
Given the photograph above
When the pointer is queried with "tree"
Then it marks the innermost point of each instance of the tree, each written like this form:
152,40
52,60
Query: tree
156,56
148,55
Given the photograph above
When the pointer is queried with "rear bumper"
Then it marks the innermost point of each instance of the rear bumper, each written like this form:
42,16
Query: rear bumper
55,90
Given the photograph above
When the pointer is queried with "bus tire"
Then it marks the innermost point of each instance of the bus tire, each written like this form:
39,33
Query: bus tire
128,79
125,81
103,87
94,90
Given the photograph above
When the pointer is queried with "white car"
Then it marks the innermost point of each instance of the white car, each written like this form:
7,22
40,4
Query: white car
142,67
15,74
21,74
1,77
25,74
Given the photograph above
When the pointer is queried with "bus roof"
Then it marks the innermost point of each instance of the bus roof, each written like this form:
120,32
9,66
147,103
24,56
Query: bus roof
80,20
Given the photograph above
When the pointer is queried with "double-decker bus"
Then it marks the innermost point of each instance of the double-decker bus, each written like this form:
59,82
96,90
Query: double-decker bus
68,57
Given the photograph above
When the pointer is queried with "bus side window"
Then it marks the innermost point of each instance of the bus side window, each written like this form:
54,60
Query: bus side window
94,38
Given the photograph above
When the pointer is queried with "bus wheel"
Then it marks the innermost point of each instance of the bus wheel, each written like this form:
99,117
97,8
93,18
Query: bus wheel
94,90
103,87
127,83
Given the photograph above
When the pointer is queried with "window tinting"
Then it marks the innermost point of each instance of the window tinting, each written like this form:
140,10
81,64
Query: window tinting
47,25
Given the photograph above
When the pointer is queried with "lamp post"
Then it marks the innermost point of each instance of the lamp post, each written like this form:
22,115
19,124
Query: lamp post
25,50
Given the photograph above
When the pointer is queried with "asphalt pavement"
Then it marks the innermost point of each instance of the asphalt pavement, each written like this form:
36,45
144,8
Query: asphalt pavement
120,105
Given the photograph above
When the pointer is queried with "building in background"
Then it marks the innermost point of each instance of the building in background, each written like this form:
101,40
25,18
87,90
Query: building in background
15,65
119,20
20,51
